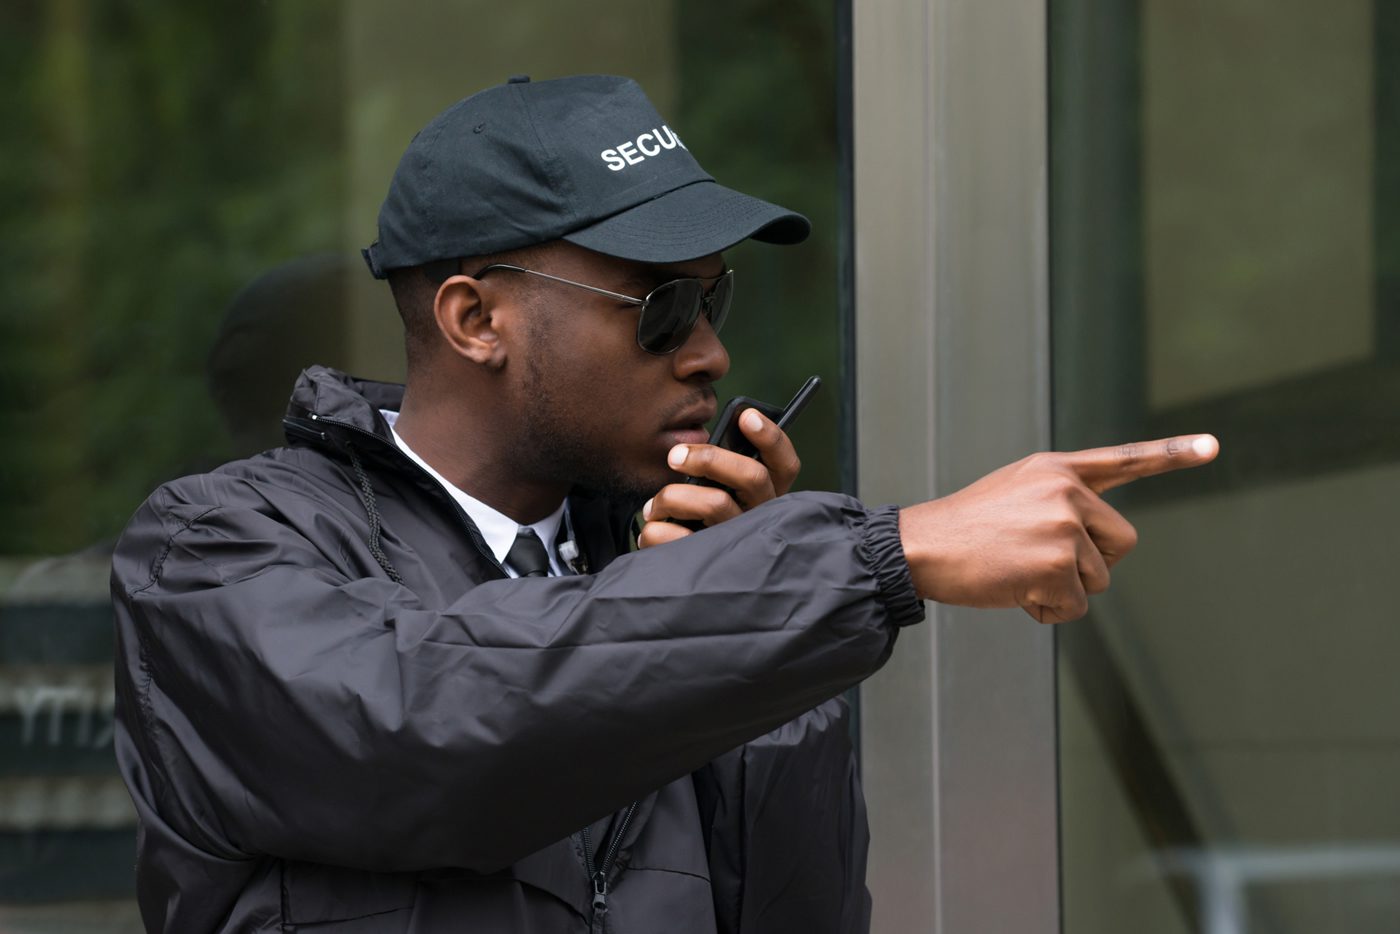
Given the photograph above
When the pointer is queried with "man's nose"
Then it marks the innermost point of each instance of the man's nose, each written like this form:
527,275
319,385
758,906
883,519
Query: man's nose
702,354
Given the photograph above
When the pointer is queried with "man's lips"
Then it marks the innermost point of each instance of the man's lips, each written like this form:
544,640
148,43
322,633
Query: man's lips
676,436
688,427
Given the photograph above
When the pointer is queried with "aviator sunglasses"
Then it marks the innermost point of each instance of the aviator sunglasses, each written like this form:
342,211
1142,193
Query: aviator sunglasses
668,312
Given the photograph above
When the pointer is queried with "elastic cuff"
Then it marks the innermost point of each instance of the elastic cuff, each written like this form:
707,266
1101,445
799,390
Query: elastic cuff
884,552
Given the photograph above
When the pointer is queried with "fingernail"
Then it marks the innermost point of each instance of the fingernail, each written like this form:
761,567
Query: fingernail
646,510
1205,445
751,420
678,455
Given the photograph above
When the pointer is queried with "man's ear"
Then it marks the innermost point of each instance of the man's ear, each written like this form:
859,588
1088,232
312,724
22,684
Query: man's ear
466,318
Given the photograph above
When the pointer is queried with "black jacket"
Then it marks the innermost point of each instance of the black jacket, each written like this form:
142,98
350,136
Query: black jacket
333,707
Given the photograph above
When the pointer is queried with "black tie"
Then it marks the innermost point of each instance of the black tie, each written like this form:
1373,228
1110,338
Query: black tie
527,556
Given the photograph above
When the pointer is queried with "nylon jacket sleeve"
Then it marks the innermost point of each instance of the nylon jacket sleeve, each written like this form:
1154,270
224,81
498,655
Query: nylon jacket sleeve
286,711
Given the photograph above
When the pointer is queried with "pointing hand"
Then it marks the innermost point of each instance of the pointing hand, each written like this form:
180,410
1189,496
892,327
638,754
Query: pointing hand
1036,534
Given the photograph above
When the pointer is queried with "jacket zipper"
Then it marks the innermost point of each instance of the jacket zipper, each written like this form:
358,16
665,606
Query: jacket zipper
472,532
598,875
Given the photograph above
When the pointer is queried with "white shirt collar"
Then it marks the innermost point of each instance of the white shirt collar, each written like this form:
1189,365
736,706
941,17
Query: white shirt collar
497,528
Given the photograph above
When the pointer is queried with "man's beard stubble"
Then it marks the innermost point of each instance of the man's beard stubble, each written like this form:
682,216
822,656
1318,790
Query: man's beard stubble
553,447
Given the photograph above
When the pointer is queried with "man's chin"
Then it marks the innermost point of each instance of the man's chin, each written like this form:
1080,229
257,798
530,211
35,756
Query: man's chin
626,488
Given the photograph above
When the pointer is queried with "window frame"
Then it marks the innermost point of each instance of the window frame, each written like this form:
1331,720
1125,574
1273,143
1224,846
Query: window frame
958,733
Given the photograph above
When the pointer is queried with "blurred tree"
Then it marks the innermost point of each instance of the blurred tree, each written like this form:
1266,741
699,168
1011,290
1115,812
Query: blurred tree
158,157
757,86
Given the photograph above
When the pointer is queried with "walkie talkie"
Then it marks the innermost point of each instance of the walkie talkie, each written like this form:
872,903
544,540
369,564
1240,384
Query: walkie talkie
728,435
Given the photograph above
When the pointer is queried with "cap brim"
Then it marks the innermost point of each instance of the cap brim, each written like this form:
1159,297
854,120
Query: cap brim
690,222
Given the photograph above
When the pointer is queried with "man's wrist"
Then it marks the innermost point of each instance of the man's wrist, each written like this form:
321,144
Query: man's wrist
883,549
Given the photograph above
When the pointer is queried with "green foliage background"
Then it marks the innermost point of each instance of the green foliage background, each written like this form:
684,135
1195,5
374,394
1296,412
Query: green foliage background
761,115
159,155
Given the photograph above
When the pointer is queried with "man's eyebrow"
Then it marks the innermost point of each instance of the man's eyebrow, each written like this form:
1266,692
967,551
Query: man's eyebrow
646,280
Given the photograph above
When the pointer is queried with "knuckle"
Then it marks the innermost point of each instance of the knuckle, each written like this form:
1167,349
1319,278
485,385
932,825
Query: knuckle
1066,524
1130,453
1052,485
1040,460
1096,581
1063,563
755,475
650,535
1079,496
715,508
670,498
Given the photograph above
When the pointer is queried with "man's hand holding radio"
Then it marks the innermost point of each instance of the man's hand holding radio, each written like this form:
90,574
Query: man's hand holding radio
752,481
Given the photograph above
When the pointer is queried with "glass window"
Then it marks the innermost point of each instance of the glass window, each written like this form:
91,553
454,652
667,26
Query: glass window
185,190
1224,217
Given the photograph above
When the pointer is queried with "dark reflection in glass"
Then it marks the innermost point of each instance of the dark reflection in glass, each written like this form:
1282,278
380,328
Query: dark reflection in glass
1224,232
183,192
158,157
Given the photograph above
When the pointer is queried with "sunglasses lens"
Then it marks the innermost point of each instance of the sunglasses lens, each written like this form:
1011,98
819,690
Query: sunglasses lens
672,310
720,298
669,316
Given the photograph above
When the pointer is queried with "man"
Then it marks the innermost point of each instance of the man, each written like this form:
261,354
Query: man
404,675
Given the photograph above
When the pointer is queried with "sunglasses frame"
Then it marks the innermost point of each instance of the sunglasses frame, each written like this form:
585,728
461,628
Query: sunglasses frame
709,284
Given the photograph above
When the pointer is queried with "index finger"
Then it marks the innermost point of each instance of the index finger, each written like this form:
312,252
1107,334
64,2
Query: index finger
1105,468
774,448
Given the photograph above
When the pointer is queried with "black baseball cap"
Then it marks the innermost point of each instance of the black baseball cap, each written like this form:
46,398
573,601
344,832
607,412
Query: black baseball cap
586,159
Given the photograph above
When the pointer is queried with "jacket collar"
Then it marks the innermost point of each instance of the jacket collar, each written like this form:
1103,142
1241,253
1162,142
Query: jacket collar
331,409
325,395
